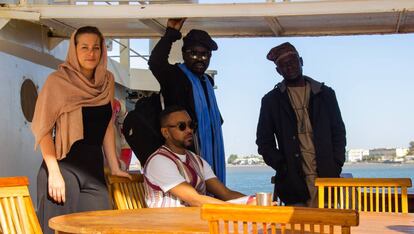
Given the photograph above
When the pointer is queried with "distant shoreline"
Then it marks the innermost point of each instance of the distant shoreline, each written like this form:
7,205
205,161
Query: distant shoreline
253,165
346,163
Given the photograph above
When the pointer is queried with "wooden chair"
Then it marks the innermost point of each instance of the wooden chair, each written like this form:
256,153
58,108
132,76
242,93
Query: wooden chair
277,219
17,214
127,194
389,194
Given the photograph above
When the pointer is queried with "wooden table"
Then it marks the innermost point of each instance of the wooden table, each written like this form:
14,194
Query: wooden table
181,220
187,220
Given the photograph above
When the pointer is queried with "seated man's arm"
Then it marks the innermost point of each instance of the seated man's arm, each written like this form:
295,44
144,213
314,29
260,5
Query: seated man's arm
215,187
187,193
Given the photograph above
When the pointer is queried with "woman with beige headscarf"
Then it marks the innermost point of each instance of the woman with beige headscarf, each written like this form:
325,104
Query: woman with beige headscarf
72,124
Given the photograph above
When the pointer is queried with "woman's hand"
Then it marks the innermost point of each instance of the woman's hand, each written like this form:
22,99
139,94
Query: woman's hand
121,173
56,183
56,187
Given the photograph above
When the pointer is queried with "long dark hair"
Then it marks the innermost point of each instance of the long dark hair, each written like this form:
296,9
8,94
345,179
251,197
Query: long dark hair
91,30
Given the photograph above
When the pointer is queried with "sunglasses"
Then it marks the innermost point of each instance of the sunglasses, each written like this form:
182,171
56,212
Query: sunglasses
198,55
182,126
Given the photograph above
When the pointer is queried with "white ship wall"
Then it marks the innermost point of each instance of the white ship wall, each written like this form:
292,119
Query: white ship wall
25,53
17,156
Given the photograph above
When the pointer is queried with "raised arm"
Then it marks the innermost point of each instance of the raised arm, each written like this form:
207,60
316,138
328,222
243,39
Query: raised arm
158,61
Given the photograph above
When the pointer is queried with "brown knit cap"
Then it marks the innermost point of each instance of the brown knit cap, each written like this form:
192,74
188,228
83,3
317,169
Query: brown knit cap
283,49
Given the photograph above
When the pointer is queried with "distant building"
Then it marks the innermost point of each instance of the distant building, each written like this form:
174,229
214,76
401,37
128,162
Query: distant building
248,160
356,155
401,152
382,152
394,154
378,154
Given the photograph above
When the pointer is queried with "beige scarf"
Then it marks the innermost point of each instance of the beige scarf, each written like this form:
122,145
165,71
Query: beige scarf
64,94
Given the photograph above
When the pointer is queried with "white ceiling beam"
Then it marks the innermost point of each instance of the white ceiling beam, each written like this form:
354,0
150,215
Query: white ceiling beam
154,25
219,10
29,54
17,14
58,27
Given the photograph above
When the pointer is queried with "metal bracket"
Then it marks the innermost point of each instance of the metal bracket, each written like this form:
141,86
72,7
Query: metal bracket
3,22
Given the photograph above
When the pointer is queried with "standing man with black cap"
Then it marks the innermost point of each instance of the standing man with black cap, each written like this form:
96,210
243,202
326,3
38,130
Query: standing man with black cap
188,86
300,132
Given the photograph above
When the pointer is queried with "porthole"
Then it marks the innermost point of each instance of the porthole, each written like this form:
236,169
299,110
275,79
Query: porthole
28,97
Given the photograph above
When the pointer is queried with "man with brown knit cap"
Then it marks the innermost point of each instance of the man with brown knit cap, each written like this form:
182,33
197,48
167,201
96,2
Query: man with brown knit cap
300,132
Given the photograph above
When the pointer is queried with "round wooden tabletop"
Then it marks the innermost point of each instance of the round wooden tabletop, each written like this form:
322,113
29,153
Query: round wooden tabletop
186,220
180,220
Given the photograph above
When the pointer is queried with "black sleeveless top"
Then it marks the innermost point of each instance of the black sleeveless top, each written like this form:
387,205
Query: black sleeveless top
86,155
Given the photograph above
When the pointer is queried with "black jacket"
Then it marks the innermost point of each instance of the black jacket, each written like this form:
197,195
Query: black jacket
278,143
175,86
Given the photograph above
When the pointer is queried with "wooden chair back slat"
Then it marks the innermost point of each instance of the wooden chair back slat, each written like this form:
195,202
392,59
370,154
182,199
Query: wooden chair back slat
371,200
353,198
365,198
383,198
404,198
134,196
24,215
389,200
126,193
377,197
34,223
396,199
330,197
280,219
17,214
117,196
254,224
18,224
3,221
364,194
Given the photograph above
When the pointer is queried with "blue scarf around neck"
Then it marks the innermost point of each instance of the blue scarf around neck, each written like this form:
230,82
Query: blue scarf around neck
209,130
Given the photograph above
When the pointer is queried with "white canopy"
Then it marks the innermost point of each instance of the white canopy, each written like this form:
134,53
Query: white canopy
298,18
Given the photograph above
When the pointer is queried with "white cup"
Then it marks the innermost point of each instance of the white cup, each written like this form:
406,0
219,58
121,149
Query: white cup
264,199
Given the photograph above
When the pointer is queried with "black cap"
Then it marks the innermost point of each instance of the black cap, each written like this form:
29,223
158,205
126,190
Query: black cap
199,37
280,50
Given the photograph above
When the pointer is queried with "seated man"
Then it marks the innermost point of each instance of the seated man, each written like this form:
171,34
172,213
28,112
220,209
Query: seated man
175,176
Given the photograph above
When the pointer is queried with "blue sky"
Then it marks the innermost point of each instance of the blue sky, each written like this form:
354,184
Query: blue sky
373,78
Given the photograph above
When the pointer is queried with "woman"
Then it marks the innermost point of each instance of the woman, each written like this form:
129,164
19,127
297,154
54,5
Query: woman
72,124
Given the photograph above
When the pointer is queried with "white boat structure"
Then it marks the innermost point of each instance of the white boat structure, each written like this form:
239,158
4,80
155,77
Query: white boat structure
34,33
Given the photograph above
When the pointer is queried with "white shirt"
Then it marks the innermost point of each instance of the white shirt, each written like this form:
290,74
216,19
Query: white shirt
163,172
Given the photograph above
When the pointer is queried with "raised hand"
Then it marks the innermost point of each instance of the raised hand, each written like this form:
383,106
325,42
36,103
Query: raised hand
176,23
